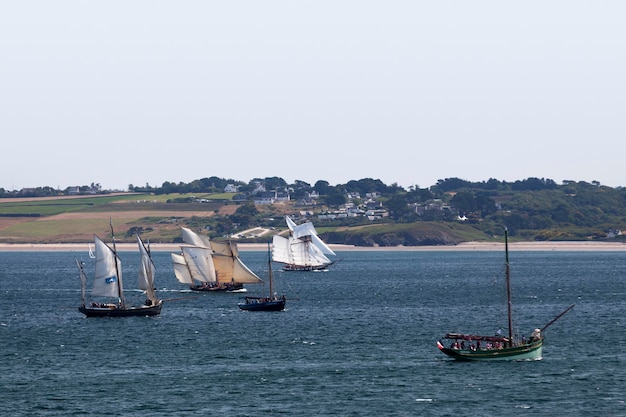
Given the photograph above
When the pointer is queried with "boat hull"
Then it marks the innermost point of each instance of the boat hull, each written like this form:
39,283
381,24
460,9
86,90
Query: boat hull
304,268
526,352
222,288
111,310
272,305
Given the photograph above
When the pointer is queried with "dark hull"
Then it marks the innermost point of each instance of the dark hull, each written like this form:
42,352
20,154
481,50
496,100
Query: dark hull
273,305
227,288
291,267
527,351
113,311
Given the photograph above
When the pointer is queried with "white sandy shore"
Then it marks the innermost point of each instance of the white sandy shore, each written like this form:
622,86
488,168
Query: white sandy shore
468,246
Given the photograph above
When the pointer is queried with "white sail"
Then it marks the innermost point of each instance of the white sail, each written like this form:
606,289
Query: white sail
321,245
305,253
200,263
297,252
192,238
280,250
243,274
306,232
146,272
108,274
290,223
181,270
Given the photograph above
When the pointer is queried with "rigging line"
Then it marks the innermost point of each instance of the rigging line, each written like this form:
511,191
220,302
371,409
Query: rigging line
291,290
180,298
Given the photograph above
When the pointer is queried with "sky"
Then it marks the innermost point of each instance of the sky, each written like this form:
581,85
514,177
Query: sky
405,91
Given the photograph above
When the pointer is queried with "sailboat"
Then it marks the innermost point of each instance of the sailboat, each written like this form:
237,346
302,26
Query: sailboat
207,265
470,347
108,283
270,303
303,250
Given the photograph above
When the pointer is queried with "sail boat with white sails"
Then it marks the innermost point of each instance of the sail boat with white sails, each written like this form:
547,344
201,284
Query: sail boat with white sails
108,284
303,250
207,265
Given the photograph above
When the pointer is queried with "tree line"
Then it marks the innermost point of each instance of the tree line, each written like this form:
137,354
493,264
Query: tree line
524,206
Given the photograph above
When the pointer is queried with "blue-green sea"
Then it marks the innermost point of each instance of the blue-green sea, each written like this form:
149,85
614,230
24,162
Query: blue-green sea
357,340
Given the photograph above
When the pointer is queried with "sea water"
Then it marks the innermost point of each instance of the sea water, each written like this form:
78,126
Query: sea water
357,340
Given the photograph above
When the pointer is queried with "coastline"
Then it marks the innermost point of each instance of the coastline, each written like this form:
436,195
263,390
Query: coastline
466,246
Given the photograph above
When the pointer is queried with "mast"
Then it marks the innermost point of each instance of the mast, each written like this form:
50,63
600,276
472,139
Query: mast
508,285
269,266
83,281
120,290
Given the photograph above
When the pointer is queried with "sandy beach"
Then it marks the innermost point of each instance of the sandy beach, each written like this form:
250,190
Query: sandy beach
467,246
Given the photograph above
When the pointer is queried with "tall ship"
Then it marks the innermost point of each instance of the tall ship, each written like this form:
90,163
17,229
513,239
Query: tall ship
302,250
207,265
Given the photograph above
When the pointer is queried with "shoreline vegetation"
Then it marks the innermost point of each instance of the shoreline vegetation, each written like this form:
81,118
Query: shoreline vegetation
466,246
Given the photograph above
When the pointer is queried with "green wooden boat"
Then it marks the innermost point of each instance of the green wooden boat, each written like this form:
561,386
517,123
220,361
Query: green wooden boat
471,347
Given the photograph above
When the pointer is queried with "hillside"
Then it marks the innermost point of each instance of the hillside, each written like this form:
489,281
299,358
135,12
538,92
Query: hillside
76,219
362,213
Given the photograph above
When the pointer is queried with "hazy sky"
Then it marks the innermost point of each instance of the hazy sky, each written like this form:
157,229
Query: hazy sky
405,91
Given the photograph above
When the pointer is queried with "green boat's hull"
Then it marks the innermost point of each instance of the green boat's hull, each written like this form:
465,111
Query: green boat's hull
526,352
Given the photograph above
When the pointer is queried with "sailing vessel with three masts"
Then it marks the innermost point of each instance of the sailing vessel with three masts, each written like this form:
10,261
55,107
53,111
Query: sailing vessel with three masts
269,303
496,348
302,250
207,265
108,284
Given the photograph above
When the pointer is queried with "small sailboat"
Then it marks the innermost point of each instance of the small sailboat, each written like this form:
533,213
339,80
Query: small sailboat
270,303
471,347
303,250
108,283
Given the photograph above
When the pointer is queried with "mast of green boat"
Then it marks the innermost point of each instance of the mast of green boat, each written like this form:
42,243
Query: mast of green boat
508,285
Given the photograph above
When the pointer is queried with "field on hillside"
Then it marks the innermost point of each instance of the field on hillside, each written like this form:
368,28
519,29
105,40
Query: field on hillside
76,219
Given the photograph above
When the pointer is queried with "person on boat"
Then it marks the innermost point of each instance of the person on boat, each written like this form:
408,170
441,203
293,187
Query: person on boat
536,335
